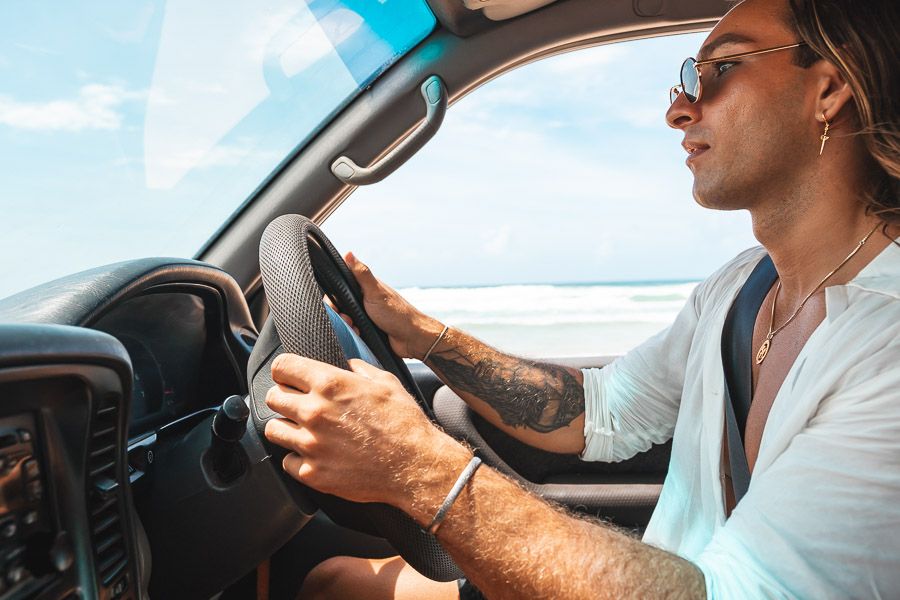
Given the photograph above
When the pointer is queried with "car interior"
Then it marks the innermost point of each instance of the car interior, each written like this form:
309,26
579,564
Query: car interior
132,463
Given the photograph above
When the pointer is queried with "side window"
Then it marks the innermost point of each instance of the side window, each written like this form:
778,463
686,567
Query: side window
552,214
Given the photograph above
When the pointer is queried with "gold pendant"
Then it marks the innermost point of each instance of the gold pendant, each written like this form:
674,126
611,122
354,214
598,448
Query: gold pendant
763,352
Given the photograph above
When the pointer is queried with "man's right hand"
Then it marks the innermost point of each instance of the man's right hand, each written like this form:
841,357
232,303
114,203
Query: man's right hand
410,331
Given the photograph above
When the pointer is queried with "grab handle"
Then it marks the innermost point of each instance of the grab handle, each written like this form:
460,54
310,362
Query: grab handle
435,94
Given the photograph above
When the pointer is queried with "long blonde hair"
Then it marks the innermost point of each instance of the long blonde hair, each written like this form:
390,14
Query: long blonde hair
862,39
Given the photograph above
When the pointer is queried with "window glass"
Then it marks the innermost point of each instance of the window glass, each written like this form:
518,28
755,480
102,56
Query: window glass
552,213
135,129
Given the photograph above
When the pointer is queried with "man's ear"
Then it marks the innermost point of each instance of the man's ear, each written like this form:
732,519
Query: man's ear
834,93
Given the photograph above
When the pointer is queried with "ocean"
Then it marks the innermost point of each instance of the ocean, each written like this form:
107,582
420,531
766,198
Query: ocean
599,319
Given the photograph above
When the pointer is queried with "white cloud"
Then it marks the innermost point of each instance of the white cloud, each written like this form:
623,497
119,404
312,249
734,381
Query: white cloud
644,116
95,107
496,152
497,95
126,161
36,49
141,20
222,155
603,86
496,241
602,249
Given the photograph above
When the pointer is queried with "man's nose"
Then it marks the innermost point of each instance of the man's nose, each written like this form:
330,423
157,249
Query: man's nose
682,112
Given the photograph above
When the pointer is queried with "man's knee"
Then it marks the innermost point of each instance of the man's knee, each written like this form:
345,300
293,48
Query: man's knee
348,578
329,579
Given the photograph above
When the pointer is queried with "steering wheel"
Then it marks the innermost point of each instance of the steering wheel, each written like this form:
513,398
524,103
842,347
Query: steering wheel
299,266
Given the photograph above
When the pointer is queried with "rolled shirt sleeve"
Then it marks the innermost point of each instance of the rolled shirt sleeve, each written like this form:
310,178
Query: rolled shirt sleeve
633,402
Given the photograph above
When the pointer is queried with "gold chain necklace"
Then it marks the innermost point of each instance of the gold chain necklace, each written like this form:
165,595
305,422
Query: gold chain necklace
767,344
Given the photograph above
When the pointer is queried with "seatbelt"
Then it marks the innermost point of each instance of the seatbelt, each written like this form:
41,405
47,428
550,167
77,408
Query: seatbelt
737,342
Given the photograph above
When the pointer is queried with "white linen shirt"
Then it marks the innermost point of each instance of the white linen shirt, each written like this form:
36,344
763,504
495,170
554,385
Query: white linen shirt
821,518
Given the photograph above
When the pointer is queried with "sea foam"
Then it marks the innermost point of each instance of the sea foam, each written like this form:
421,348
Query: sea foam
557,320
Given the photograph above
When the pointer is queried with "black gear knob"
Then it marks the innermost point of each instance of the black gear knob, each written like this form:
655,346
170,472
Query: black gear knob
225,460
230,422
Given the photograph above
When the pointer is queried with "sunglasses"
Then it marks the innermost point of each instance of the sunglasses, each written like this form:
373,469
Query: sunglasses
690,72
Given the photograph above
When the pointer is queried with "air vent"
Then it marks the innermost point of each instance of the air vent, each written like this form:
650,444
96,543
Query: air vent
106,502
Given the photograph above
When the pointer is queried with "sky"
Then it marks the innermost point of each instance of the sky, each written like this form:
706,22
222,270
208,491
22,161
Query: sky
135,129
560,171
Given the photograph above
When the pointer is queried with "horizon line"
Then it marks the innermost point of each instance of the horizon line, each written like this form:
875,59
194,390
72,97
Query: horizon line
561,283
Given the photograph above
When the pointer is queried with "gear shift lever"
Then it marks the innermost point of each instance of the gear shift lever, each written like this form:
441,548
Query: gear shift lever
225,461
230,422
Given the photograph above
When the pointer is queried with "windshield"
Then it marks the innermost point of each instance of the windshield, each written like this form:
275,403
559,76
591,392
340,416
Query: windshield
135,129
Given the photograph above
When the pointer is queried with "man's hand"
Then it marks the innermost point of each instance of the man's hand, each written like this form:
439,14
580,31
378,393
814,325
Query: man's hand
410,331
356,434
360,436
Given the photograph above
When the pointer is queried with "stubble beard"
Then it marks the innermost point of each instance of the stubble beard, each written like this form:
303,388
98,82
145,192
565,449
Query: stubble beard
755,177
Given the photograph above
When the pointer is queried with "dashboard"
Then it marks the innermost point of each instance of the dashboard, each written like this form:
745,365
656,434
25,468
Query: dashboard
109,381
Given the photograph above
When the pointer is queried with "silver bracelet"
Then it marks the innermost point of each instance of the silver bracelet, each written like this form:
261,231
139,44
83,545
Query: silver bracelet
436,342
464,478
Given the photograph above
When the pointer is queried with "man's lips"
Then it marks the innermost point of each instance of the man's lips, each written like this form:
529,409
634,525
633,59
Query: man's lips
694,149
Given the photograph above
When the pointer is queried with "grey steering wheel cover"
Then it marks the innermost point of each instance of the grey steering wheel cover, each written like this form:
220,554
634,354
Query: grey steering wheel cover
304,328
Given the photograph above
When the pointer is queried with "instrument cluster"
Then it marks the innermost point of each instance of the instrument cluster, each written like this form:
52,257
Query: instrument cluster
165,335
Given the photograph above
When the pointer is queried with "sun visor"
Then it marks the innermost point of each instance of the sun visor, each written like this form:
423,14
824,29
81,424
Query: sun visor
498,10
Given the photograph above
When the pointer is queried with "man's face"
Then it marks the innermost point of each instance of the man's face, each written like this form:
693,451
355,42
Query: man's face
752,131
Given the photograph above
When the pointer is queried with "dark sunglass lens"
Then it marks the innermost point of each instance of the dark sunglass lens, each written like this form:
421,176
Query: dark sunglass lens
690,80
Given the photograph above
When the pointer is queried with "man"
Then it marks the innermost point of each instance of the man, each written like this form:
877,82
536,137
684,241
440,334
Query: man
821,517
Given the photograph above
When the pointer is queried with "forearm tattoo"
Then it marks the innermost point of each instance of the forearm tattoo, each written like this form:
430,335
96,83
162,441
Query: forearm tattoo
525,393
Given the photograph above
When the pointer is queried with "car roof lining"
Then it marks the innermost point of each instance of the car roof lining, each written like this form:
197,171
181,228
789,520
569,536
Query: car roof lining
385,113
499,10
457,19
466,17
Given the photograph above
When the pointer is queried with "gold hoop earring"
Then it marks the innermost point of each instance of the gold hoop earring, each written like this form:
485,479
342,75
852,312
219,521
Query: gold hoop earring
824,137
